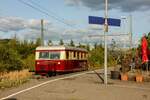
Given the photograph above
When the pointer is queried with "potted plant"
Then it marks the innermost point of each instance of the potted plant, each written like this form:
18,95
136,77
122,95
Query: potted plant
139,76
125,68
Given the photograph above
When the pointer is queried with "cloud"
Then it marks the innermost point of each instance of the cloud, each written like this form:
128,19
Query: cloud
27,28
11,24
36,24
122,5
32,34
30,29
95,27
8,24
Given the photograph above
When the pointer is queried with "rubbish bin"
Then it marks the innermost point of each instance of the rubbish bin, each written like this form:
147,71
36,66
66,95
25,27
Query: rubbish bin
115,75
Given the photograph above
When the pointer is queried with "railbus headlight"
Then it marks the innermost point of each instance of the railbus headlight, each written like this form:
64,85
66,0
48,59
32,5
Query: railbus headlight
58,63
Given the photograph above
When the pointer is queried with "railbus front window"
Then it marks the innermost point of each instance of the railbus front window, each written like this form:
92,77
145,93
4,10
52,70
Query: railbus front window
44,55
54,55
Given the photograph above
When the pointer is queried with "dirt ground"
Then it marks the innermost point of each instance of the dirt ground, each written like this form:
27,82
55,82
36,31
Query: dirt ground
87,87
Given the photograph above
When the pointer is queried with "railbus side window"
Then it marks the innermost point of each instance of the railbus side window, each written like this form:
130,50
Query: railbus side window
82,57
78,55
67,54
86,55
70,55
74,54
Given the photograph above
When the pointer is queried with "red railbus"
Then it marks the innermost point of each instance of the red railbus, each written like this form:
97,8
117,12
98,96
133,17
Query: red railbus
54,59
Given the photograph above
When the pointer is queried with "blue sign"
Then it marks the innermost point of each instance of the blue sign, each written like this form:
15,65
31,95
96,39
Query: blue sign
96,20
101,21
114,22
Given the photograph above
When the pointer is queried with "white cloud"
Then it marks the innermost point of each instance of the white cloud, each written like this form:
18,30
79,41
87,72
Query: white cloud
30,29
8,24
11,24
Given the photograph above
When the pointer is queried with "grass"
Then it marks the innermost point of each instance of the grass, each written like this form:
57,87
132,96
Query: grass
13,79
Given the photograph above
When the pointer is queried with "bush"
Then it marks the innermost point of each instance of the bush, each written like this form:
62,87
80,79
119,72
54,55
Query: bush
29,62
9,59
96,57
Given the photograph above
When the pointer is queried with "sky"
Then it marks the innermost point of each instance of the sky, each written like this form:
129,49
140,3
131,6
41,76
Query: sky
68,19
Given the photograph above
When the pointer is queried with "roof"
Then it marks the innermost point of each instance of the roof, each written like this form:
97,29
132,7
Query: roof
60,48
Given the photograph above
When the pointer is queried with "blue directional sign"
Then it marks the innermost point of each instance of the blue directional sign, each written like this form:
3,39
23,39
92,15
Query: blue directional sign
114,22
96,20
101,21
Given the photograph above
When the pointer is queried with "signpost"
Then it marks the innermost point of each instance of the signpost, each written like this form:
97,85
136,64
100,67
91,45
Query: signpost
105,37
106,22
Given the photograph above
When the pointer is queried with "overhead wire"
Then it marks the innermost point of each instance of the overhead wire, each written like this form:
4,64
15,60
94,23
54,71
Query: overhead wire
52,13
41,10
34,5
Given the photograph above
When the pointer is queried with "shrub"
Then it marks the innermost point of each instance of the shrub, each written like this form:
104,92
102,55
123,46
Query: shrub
14,78
29,62
96,57
9,59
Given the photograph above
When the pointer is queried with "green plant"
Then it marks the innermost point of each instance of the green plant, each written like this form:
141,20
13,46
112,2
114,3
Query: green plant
29,62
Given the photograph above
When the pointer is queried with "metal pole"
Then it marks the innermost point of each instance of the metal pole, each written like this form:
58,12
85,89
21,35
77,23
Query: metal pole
42,32
105,37
123,20
130,30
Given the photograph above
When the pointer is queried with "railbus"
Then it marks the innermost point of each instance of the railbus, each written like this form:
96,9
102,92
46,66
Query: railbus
50,60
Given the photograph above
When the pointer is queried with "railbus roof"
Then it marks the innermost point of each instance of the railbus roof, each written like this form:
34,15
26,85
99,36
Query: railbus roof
61,48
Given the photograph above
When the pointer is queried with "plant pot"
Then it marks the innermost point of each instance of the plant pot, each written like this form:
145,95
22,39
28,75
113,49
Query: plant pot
115,74
124,77
139,78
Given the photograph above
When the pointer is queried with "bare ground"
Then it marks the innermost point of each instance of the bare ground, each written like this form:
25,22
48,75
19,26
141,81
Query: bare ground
85,87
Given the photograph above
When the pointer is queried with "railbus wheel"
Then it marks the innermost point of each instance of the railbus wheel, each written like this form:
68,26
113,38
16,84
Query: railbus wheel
54,73
49,74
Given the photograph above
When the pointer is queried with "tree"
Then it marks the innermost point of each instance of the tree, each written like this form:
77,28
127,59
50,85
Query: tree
13,43
9,59
61,42
38,42
113,44
29,62
88,47
95,45
79,45
96,57
148,39
50,43
13,53
72,43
